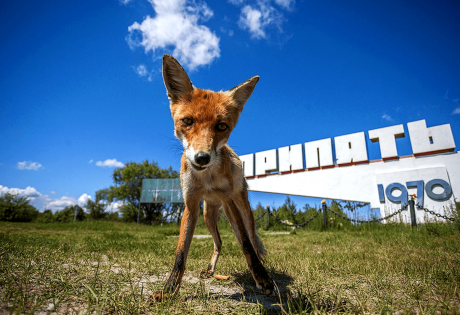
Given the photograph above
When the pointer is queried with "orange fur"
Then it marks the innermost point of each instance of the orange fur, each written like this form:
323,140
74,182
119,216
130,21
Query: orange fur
211,171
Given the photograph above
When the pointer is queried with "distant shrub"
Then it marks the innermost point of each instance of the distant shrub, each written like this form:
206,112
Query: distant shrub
15,208
112,216
129,213
45,217
69,214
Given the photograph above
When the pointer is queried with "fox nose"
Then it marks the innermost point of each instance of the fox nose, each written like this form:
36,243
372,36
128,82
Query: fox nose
202,158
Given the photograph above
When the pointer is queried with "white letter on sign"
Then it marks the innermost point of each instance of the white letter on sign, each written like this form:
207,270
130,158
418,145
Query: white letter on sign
424,140
387,137
266,161
351,148
290,158
318,153
248,164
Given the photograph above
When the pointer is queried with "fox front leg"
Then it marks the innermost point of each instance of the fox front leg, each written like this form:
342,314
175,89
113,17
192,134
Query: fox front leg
211,213
188,224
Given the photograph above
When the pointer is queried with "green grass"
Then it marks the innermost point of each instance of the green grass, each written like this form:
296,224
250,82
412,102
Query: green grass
113,268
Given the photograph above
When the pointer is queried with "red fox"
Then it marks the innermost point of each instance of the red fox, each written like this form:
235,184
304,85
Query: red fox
211,171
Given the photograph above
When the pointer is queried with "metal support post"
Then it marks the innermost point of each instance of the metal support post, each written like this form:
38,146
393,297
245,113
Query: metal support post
412,213
324,206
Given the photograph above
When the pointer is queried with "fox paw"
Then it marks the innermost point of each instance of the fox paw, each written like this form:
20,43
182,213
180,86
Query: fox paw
206,274
266,287
159,296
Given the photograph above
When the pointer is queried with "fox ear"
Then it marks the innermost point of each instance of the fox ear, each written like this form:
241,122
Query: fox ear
175,78
242,92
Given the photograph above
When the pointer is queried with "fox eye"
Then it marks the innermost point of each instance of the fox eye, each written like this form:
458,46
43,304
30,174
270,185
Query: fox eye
187,121
222,127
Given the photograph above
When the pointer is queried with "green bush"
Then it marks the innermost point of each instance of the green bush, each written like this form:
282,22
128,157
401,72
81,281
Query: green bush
14,208
45,217
129,213
70,214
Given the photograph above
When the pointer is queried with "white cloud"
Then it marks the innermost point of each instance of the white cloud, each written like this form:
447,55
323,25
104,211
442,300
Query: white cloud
286,4
83,199
41,201
29,192
61,203
114,206
91,161
251,19
176,25
110,163
456,111
142,71
387,117
125,1
256,19
28,165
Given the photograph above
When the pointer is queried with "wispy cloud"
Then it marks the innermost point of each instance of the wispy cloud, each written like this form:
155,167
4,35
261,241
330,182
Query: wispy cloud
387,117
177,24
28,165
142,71
287,4
110,163
259,16
454,101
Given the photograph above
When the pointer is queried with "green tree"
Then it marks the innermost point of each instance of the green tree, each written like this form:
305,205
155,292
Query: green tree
96,209
264,221
15,208
128,213
45,217
287,211
69,214
128,187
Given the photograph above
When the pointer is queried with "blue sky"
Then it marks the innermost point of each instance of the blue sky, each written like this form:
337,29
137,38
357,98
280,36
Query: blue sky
81,89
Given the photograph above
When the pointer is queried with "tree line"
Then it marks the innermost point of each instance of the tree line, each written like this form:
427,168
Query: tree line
126,191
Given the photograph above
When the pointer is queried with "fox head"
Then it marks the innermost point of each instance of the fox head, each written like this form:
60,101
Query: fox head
203,120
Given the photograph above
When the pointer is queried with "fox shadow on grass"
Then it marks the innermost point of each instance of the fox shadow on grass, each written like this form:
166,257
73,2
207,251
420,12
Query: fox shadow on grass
283,299
251,294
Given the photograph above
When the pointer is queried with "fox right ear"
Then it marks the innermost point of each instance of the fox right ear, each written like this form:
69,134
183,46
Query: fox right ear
175,78
242,92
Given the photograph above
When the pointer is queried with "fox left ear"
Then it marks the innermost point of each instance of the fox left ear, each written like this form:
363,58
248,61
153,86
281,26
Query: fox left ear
175,78
241,93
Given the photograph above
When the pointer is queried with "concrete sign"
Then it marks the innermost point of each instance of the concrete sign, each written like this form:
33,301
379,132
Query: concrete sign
432,173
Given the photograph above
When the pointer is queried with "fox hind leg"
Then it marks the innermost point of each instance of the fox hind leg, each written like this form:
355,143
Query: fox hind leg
211,213
257,269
